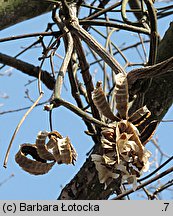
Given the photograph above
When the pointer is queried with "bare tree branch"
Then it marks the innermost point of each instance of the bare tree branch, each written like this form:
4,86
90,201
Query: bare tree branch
28,69
159,176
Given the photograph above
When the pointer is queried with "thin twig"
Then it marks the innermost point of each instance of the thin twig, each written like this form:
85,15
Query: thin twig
24,50
156,170
39,77
167,120
159,176
50,120
123,49
143,47
69,51
63,69
116,47
18,127
6,180
55,33
103,11
86,75
154,33
115,25
20,109
154,141
162,188
123,14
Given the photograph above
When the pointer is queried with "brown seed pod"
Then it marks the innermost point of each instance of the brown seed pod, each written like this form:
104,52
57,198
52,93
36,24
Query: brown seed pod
55,134
62,149
42,148
138,117
101,103
64,152
121,95
35,167
53,137
129,128
122,145
108,133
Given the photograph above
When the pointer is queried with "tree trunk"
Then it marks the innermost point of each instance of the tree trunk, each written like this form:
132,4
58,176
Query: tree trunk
15,11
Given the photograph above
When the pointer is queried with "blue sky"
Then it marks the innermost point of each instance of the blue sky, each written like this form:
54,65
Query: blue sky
23,185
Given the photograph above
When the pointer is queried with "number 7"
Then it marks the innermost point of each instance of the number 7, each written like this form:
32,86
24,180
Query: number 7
167,204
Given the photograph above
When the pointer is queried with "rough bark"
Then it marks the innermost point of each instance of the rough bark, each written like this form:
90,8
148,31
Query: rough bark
15,11
159,95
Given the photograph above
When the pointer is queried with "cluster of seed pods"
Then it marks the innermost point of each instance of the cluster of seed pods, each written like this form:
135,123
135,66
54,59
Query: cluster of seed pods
124,154
44,156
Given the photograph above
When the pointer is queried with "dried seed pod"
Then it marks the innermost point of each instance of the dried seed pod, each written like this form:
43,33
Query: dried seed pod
53,137
55,134
42,148
64,152
108,133
139,116
62,149
104,173
106,144
101,103
121,95
127,148
129,128
37,167
122,145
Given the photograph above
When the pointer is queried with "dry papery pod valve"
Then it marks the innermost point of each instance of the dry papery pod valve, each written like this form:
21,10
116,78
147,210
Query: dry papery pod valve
45,155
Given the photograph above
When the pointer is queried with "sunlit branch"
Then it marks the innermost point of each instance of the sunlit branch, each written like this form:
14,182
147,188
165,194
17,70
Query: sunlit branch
78,111
115,25
98,48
